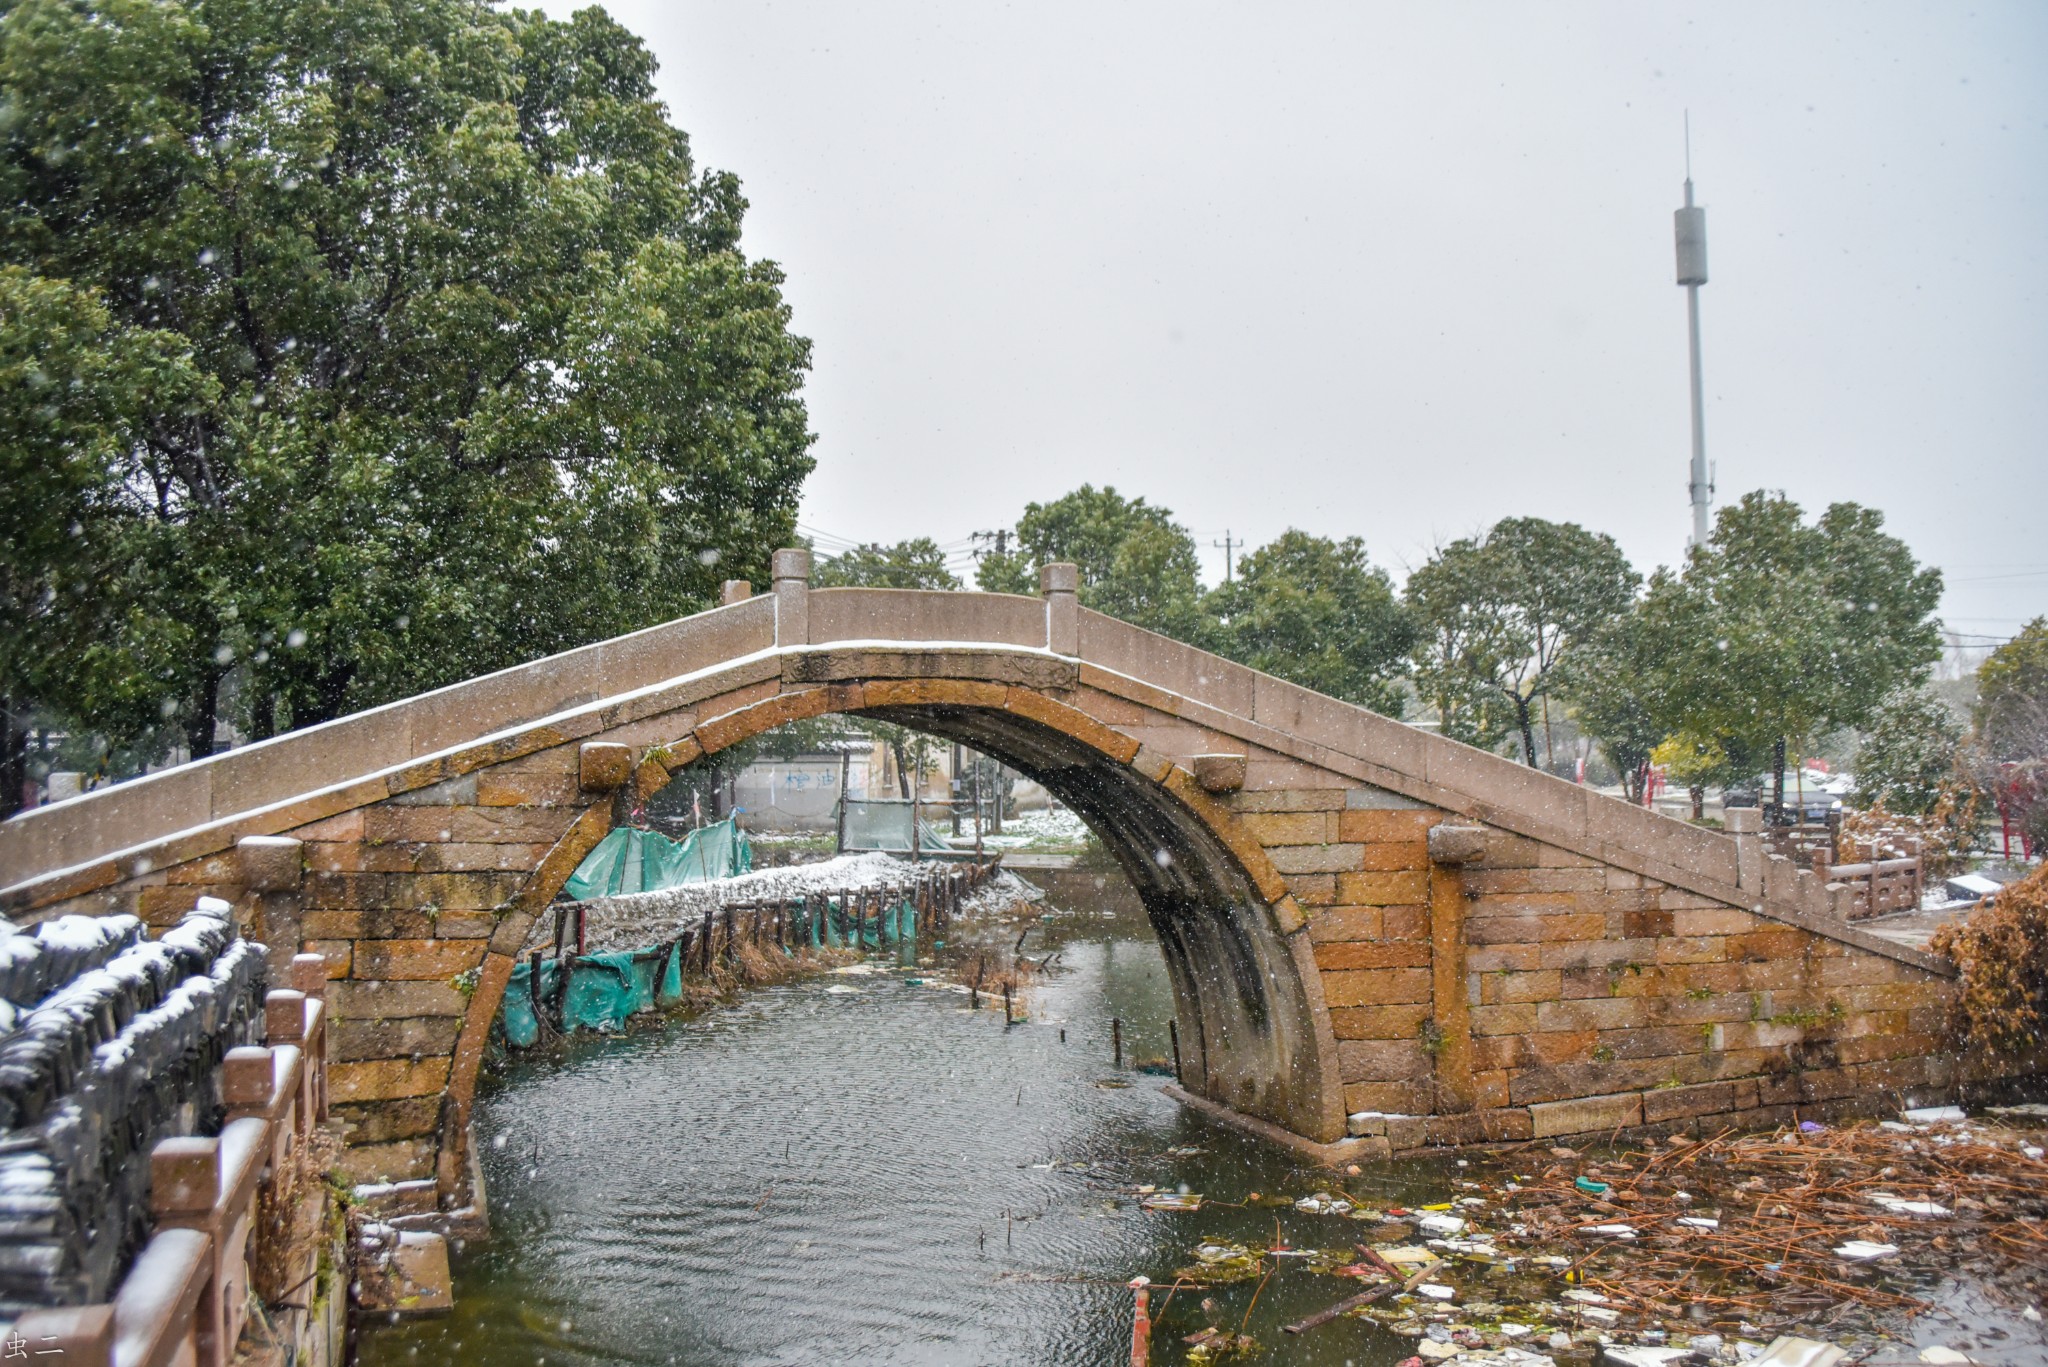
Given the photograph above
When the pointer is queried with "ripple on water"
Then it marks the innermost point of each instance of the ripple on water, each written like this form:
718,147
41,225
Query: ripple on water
820,1177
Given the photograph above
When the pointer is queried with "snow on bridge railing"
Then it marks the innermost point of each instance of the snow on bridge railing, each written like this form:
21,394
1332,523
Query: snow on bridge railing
185,1297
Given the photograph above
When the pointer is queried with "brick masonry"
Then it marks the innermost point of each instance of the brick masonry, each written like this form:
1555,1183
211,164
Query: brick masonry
1590,967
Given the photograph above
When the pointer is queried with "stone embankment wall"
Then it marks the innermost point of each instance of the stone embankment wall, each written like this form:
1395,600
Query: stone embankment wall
1529,991
1359,917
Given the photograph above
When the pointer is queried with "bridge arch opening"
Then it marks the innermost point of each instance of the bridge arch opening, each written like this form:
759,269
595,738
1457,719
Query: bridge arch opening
1247,997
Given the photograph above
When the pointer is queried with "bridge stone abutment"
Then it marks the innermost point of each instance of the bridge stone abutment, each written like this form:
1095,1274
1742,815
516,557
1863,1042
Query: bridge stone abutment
1367,927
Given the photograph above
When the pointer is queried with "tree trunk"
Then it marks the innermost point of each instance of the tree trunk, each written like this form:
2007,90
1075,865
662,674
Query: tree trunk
902,769
1778,777
1528,732
263,717
205,714
1699,800
13,758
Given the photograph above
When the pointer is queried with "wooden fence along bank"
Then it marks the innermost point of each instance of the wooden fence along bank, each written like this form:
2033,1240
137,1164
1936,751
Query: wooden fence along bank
575,989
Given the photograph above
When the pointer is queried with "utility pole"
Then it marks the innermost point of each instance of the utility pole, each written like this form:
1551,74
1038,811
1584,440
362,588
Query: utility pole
1690,223
1228,545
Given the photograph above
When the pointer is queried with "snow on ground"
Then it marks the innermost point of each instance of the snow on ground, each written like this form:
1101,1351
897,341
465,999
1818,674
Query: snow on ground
1052,828
642,920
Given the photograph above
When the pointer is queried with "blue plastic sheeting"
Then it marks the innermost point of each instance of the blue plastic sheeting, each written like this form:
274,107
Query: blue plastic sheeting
603,990
633,860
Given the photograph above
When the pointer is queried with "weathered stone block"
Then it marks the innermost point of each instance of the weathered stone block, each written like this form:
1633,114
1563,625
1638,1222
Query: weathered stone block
384,1000
1290,800
1317,859
383,1079
1396,856
1382,1060
410,959
1379,1022
1712,921
603,767
1218,773
508,788
405,1160
1405,922
1399,825
1395,954
1333,924
1507,1125
1381,889
1457,845
1516,1019
377,1122
1541,985
1768,943
1495,958
1598,953
1376,987
1405,1099
1590,1013
1703,949
354,1041
1585,1115
1552,1047
1512,930
270,863
1291,828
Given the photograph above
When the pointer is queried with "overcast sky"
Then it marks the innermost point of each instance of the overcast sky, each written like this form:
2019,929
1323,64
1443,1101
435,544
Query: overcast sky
1399,271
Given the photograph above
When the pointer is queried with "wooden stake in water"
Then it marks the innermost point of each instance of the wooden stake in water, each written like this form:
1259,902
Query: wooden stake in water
1141,1324
1116,1039
1007,1018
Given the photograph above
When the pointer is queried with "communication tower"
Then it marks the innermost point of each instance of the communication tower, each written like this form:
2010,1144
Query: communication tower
1691,231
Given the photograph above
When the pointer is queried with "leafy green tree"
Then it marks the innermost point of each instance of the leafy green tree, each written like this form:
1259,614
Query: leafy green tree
1910,750
2010,749
476,368
1780,629
1136,562
81,394
1498,615
1615,683
2012,696
914,564
1318,613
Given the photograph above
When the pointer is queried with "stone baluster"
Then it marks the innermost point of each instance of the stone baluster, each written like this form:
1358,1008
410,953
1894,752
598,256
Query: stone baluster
1060,583
792,598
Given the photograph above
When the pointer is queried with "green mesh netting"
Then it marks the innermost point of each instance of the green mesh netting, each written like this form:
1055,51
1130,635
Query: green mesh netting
633,860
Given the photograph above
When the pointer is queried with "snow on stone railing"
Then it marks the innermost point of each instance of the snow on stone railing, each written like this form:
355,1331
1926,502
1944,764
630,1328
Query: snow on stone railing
185,1298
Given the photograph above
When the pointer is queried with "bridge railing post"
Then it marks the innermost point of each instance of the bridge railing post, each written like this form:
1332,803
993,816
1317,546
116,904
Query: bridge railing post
1060,583
792,598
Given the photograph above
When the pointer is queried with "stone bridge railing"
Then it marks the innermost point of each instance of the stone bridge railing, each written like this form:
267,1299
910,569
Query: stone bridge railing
185,1299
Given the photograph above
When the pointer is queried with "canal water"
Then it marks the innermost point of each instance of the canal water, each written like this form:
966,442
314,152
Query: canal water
859,1168
852,1169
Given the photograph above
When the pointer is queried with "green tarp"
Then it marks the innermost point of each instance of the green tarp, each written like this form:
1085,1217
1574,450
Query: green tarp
604,989
633,860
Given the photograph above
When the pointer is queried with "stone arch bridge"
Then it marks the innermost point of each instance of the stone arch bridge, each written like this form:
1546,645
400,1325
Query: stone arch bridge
1357,916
